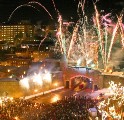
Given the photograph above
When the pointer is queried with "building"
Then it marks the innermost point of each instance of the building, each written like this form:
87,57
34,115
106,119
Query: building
3,45
11,32
43,43
18,62
39,49
23,53
10,87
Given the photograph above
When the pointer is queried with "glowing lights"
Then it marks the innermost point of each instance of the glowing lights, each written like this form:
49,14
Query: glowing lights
34,2
55,84
5,99
55,99
35,90
36,81
24,83
24,72
29,4
78,62
93,65
16,118
47,77
112,106
85,41
1,102
78,45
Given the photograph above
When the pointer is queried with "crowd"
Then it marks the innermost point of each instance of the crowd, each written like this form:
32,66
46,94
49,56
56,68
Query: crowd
69,108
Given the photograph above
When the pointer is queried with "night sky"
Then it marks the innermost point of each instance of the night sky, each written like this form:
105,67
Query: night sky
67,8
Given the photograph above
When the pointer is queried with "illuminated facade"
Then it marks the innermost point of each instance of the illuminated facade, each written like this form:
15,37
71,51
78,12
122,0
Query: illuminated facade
18,62
20,31
11,87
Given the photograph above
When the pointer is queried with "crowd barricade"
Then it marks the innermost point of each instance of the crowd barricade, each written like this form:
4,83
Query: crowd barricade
42,93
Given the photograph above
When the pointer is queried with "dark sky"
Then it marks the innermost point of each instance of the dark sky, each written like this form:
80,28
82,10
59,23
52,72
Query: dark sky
68,9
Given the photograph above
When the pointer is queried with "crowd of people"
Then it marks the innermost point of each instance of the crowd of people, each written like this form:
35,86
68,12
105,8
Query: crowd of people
69,108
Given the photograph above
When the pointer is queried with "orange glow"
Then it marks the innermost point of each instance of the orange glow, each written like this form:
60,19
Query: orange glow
35,90
108,69
55,99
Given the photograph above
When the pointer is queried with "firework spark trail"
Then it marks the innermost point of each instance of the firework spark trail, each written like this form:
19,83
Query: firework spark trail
55,6
106,22
106,19
99,32
63,45
59,33
122,31
74,35
42,41
85,45
24,5
34,2
79,38
85,37
73,39
61,37
112,41
76,43
83,4
79,5
106,43
96,1
83,31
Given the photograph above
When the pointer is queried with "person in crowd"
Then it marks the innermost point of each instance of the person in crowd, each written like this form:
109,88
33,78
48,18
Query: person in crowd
69,108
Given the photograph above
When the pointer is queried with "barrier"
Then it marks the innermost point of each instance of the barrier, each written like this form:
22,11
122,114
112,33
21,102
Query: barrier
42,93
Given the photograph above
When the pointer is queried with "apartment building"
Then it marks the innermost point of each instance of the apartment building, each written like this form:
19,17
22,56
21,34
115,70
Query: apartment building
10,32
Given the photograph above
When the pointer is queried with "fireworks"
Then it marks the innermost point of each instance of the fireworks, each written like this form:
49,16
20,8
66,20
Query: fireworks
112,107
34,2
107,34
87,40
36,80
80,45
30,4
24,5
25,83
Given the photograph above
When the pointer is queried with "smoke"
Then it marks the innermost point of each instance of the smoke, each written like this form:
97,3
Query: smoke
117,58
